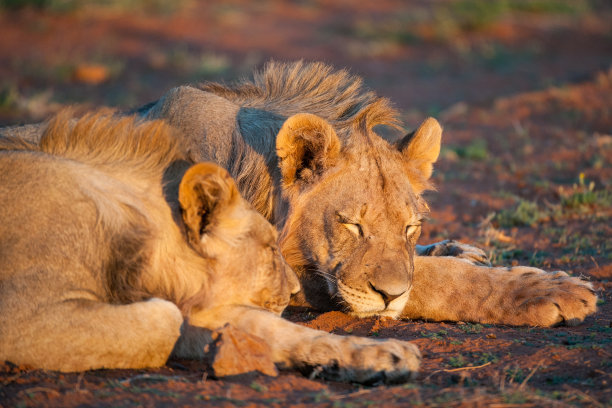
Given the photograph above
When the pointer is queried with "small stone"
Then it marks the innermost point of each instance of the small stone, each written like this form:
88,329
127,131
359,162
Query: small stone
235,352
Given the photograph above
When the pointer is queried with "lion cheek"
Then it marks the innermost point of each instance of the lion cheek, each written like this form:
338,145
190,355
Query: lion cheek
360,301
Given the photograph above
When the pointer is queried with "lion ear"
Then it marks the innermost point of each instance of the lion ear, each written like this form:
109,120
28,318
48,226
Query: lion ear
205,190
306,146
422,147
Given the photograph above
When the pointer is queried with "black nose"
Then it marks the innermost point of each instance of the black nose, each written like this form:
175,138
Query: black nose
386,296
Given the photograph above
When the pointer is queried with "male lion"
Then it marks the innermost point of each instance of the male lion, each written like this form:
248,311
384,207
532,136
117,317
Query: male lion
115,250
299,141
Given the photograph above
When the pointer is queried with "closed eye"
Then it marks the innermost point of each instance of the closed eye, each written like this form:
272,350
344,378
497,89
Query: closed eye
411,229
354,228
350,224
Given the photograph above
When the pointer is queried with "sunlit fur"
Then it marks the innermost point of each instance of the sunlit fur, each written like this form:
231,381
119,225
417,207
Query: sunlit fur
239,127
87,227
300,140
116,251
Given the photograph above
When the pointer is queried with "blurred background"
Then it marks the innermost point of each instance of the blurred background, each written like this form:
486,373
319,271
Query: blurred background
523,89
426,55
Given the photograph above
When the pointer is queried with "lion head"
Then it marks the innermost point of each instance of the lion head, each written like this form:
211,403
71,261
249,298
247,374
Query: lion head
129,166
221,226
299,140
355,211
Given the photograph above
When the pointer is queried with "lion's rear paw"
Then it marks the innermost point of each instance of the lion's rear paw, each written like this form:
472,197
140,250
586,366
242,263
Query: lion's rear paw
547,299
372,362
456,249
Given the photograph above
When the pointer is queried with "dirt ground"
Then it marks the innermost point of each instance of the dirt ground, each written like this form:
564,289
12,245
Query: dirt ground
524,91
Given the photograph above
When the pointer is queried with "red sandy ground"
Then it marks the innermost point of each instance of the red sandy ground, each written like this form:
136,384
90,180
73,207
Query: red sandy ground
536,90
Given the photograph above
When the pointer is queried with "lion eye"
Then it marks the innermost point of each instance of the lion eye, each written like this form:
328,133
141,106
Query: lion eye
354,228
411,229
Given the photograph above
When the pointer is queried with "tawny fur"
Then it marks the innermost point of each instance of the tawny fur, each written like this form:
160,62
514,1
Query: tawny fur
349,218
299,138
98,269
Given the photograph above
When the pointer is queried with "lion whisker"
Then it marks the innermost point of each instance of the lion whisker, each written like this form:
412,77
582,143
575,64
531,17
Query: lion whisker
327,275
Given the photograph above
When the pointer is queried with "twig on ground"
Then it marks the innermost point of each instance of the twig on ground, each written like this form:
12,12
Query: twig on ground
151,377
452,370
583,395
466,368
77,387
520,388
11,379
350,394
40,389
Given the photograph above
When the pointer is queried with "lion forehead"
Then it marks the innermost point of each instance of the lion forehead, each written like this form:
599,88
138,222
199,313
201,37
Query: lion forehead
380,194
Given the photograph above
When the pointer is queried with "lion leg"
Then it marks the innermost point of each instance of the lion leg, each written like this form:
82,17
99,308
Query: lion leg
341,358
446,288
450,247
77,335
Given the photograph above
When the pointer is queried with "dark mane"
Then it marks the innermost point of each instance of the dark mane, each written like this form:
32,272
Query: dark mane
298,87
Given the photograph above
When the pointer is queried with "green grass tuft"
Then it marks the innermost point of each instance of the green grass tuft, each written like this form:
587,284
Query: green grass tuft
526,213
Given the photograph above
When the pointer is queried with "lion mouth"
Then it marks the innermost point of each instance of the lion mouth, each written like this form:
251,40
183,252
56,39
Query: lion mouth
368,302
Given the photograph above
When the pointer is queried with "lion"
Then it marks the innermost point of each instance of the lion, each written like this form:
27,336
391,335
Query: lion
299,140
118,251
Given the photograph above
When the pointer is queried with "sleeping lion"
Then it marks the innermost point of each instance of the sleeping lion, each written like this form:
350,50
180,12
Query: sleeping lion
115,249
300,141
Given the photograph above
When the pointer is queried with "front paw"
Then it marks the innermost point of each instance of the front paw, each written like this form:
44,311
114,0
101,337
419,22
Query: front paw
548,299
455,249
367,361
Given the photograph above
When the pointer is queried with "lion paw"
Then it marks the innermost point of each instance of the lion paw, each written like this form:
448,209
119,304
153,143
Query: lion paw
548,299
456,249
368,361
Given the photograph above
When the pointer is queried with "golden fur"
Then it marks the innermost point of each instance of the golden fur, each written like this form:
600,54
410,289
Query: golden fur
117,251
299,140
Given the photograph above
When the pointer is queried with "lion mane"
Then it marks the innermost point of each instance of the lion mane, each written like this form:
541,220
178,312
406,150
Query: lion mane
300,140
118,251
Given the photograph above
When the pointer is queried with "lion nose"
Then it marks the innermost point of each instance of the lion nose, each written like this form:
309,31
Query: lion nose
386,295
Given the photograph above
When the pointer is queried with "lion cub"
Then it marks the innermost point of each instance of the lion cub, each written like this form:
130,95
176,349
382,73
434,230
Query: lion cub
112,243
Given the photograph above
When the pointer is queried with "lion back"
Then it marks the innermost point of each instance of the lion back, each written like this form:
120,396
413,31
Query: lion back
70,211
